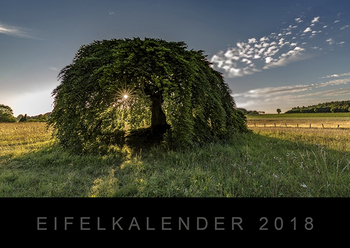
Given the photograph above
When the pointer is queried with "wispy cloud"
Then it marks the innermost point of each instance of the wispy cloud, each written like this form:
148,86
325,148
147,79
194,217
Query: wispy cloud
315,19
267,92
297,94
295,42
53,68
317,96
337,75
344,27
16,31
333,82
280,90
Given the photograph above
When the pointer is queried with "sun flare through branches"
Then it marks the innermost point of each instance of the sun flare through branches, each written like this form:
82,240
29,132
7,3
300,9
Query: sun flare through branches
123,97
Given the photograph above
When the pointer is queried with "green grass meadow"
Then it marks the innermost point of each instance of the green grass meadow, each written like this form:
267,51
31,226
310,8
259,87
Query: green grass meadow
269,162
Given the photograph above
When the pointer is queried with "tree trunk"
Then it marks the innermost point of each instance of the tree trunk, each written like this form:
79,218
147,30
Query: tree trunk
158,120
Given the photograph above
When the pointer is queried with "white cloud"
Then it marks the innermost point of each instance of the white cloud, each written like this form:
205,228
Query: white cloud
337,75
252,40
53,68
315,19
216,59
261,50
326,93
334,82
298,20
330,41
287,58
270,97
346,26
281,42
15,31
264,39
281,48
308,29
272,91
268,60
246,61
334,75
272,50
299,49
228,54
234,71
8,30
240,44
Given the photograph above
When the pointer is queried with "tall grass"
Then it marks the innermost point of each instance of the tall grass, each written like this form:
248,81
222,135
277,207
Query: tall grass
269,162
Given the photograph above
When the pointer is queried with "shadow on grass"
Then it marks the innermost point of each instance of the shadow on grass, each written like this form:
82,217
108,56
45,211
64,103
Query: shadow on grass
53,172
144,138
250,165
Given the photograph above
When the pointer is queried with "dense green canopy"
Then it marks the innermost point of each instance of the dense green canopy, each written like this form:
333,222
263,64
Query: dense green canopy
117,86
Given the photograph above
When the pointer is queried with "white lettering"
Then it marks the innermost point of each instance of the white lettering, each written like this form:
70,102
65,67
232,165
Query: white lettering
164,223
219,223
206,223
38,223
66,222
149,228
187,225
82,223
116,223
55,223
237,223
98,225
134,224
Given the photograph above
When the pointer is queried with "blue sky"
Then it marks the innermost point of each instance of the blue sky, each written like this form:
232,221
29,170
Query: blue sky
273,54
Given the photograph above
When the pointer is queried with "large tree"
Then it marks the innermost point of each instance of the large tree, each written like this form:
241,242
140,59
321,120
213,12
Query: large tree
6,114
115,85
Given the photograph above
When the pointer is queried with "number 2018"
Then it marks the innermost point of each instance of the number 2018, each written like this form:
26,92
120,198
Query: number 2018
278,223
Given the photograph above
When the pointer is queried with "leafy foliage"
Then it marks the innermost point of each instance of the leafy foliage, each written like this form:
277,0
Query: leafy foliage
6,114
327,107
117,86
23,119
35,118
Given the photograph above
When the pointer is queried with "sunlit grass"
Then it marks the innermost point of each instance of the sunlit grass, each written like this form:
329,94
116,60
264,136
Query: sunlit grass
337,139
21,138
270,162
316,120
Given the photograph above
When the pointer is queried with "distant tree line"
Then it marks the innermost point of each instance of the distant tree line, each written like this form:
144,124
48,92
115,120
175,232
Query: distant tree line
36,118
6,115
327,107
251,112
